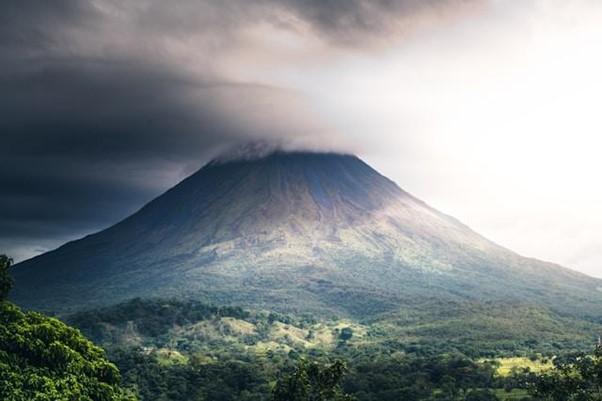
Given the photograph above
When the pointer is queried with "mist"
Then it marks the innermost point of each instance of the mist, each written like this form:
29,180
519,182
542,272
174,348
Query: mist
484,109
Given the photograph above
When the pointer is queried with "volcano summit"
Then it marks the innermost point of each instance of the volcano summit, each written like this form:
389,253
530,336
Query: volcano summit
295,231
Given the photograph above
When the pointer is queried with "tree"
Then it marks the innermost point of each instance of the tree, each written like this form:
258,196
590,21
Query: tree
43,359
346,333
6,281
312,382
576,377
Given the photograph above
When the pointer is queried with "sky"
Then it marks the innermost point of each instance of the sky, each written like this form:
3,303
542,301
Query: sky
485,109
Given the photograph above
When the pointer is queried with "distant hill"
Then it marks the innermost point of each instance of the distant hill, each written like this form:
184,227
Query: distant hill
298,232
191,327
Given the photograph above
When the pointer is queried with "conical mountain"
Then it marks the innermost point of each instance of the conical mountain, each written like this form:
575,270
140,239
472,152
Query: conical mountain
296,231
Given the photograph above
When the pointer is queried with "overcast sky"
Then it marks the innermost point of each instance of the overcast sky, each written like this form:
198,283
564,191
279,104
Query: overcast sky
486,109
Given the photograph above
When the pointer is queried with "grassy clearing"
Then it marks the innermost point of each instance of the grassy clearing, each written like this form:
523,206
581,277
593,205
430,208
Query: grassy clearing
507,365
168,357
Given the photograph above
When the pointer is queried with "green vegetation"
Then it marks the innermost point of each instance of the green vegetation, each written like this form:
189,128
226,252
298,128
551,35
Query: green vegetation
489,329
576,377
536,365
459,327
338,266
323,234
515,394
42,359
178,350
312,381
186,350
346,333
247,377
6,281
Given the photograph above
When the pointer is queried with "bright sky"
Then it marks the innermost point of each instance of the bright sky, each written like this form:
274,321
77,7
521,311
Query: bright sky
493,118
486,109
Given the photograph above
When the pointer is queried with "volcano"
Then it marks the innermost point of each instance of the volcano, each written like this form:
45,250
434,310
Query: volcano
295,231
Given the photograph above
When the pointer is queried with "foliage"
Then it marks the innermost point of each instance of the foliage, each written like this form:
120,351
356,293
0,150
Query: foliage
488,329
463,327
312,382
446,376
185,350
196,380
244,377
481,395
514,364
43,359
576,377
6,281
346,333
151,317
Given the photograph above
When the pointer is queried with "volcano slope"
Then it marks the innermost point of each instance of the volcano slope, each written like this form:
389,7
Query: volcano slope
298,232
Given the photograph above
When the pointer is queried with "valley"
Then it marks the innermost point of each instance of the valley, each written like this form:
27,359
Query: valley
300,200
155,342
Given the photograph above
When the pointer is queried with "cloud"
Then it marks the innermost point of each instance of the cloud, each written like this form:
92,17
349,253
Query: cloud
107,103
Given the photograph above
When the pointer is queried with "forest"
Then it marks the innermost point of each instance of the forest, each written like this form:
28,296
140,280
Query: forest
163,350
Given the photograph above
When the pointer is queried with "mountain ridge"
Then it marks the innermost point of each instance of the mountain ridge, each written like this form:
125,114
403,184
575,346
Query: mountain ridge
294,230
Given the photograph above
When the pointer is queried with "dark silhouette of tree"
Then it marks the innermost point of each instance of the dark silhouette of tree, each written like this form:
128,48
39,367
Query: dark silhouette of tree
6,281
346,333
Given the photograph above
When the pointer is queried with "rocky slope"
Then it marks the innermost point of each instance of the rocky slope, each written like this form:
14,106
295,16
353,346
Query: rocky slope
296,231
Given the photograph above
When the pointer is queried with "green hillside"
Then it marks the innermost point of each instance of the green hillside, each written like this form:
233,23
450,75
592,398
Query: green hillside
175,327
180,350
309,256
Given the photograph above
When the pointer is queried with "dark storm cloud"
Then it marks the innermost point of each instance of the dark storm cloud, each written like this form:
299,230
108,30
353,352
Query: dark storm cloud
98,115
341,22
